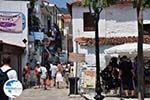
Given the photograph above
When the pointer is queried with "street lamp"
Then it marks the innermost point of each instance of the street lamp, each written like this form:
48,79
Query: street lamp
96,8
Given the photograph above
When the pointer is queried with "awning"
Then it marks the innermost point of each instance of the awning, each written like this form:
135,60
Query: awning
127,49
12,44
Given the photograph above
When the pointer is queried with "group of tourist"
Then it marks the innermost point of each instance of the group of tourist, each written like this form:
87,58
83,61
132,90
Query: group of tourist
47,75
120,73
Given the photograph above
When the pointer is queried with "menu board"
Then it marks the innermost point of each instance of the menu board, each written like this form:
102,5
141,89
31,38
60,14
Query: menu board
89,78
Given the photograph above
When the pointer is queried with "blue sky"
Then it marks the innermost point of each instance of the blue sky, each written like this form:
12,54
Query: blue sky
59,3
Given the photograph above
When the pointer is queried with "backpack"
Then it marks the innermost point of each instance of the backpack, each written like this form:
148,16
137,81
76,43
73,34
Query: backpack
3,79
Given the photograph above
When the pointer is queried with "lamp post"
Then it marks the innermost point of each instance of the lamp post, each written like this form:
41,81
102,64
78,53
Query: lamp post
95,8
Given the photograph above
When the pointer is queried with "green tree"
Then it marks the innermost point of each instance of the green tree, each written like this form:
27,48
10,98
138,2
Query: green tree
104,3
139,5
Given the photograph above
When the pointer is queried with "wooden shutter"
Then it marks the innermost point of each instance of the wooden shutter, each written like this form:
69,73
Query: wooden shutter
88,22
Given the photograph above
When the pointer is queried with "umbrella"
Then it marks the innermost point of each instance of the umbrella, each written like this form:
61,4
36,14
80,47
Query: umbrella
127,49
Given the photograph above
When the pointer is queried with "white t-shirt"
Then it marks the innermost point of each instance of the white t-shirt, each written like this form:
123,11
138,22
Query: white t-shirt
11,74
53,70
44,71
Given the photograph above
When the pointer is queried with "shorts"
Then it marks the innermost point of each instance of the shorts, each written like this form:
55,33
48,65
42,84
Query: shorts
128,84
43,76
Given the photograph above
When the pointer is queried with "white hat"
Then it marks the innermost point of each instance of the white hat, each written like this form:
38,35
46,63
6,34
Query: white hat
37,62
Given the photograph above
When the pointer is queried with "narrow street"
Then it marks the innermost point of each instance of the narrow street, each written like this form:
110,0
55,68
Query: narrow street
51,94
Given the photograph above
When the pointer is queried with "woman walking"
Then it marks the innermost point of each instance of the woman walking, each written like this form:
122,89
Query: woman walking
59,75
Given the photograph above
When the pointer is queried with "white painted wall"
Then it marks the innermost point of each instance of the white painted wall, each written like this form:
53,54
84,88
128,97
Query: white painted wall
114,22
120,22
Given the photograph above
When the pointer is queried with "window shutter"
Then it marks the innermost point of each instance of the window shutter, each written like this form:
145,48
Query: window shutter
88,22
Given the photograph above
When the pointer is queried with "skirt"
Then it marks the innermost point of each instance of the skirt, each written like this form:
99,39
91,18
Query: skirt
59,77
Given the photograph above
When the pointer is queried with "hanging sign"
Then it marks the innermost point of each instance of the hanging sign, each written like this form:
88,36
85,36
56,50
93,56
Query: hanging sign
76,57
11,22
38,35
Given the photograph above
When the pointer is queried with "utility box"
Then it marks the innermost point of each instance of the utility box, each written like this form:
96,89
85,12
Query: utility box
73,85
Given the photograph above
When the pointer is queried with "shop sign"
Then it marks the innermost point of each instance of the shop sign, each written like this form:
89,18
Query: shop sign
12,22
76,57
38,35
89,78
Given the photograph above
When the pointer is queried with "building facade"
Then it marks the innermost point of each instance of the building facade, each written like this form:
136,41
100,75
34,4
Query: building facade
14,33
117,25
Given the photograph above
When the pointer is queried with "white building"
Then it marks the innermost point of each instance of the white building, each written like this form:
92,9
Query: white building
14,32
117,25
48,15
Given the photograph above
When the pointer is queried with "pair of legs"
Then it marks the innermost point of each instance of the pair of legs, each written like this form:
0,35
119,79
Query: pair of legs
26,82
44,84
58,84
54,81
127,93
128,86
67,79
38,83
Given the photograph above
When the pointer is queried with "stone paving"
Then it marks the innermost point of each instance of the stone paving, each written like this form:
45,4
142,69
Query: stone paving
50,94
58,94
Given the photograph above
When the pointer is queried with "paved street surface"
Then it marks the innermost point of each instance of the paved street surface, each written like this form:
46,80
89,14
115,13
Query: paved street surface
91,97
51,94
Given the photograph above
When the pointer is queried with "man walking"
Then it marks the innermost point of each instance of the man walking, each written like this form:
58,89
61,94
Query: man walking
26,75
11,74
53,74
44,75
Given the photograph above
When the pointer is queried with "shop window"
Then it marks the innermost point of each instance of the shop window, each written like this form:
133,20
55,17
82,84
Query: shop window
88,22
146,29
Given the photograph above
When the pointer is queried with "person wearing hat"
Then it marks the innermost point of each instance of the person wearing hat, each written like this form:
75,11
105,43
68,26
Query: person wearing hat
37,71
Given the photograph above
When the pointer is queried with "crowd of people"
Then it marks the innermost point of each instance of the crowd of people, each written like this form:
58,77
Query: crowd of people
120,74
50,75
47,76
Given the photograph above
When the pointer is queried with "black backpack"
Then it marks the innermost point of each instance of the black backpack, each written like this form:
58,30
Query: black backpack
3,79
